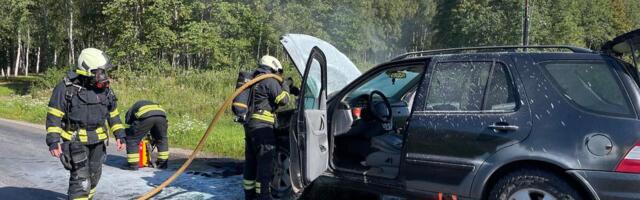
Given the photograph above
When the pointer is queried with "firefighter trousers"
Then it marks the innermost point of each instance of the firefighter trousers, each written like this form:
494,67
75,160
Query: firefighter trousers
157,125
85,176
260,144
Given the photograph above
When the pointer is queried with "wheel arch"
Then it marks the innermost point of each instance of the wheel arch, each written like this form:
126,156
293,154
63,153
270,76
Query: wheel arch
583,188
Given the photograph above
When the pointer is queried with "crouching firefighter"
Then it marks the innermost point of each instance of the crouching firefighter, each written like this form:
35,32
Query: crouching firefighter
76,130
144,117
255,108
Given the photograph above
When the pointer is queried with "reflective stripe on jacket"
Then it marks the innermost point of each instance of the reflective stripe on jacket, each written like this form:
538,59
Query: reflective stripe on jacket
268,95
143,109
76,110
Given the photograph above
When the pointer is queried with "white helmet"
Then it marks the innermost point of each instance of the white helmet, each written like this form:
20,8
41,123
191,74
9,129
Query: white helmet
271,62
91,59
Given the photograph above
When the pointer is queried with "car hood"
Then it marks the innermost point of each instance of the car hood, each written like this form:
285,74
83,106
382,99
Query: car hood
340,70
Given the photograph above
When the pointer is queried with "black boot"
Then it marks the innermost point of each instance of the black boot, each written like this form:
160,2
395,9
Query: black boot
250,194
162,164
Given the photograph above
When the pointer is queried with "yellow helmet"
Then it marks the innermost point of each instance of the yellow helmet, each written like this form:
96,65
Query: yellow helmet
271,62
91,59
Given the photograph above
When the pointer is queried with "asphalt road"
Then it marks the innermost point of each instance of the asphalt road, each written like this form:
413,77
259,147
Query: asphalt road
28,171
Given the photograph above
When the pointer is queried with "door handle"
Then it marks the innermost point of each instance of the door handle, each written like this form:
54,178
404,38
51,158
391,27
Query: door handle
321,123
502,126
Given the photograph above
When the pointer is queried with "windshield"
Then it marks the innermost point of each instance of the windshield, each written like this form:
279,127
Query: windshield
340,70
392,83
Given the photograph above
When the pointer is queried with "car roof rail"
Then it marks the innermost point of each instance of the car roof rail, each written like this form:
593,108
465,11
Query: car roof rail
491,49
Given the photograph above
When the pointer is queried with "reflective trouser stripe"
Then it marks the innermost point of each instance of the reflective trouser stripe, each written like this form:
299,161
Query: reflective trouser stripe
163,155
249,184
81,198
147,108
92,192
258,187
133,157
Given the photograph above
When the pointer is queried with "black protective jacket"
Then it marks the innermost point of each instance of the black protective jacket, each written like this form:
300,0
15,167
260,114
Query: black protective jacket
79,112
266,96
143,109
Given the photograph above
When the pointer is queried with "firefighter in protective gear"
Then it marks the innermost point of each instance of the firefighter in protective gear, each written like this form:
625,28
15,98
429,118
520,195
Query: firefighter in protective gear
144,117
76,129
260,140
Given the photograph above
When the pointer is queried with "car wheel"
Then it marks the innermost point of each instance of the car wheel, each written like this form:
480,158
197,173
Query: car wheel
533,184
281,183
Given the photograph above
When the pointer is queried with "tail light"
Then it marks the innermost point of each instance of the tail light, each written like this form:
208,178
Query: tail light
631,162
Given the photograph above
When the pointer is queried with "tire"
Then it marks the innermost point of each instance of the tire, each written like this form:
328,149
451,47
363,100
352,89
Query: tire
533,184
281,183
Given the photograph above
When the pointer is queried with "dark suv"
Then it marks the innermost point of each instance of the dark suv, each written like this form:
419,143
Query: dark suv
511,122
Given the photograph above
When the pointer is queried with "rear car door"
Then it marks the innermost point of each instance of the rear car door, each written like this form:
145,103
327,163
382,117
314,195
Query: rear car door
308,138
470,108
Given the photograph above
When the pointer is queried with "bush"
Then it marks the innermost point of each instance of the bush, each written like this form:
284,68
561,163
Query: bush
43,84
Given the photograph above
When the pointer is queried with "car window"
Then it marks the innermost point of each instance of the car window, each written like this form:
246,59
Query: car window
500,95
590,85
312,87
457,86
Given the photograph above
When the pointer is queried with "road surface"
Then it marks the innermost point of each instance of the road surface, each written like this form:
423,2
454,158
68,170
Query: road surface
28,171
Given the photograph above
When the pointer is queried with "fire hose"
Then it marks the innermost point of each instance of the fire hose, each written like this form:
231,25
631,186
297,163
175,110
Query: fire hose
212,125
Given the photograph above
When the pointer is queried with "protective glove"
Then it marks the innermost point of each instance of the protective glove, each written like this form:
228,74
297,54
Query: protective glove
294,90
290,87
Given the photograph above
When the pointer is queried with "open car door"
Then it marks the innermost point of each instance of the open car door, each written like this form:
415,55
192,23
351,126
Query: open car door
309,145
324,70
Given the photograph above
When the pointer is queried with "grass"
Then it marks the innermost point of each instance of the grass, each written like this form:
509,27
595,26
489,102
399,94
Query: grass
191,98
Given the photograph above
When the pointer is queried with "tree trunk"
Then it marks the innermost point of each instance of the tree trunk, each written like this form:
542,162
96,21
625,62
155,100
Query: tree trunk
15,69
26,65
174,59
71,50
188,58
38,61
8,71
55,57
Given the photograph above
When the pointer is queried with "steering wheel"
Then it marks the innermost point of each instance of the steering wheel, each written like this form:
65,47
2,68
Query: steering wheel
382,117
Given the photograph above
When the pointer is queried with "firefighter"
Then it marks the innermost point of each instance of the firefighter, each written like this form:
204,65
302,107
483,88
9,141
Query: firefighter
260,140
76,130
144,117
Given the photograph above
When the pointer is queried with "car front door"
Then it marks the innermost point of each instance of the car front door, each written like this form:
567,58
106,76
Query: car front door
308,138
470,108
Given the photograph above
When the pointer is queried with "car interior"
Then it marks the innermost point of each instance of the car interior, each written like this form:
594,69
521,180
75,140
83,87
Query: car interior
369,122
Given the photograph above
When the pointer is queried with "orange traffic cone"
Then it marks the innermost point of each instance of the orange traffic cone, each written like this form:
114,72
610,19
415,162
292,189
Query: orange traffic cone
142,150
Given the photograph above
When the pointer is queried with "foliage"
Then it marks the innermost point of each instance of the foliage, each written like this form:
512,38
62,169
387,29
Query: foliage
185,54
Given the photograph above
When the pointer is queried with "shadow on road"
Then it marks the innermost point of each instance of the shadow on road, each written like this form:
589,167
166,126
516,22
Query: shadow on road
19,193
116,161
